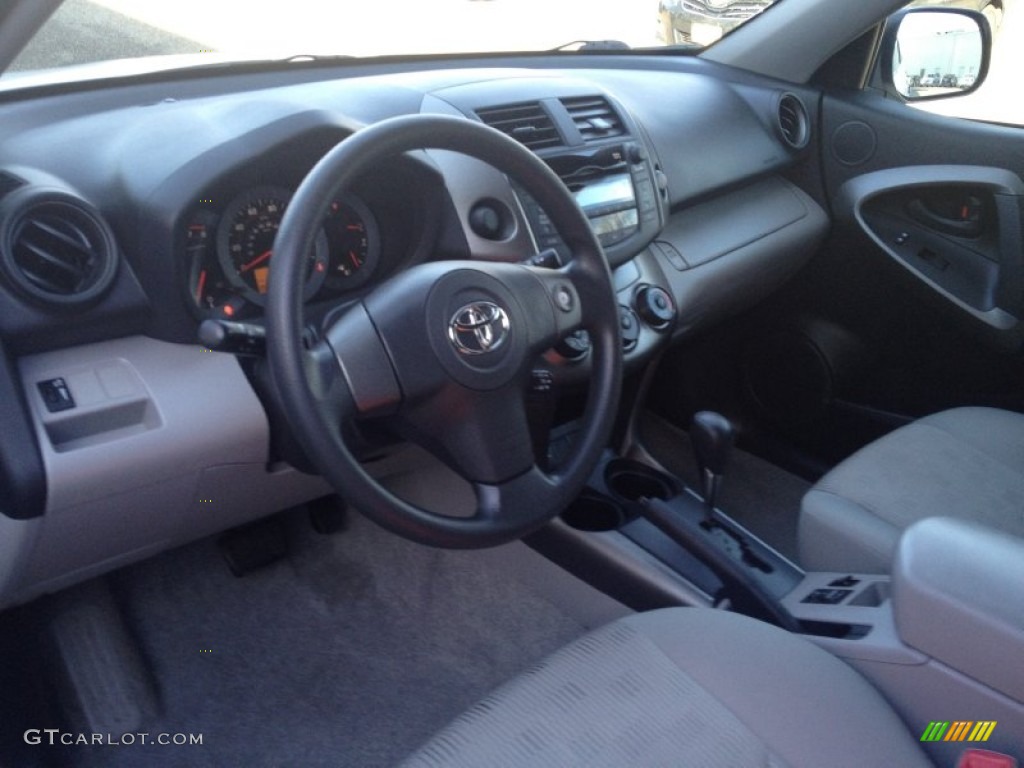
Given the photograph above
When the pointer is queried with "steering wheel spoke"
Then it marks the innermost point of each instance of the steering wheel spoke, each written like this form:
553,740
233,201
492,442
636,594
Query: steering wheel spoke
362,361
516,499
483,436
327,386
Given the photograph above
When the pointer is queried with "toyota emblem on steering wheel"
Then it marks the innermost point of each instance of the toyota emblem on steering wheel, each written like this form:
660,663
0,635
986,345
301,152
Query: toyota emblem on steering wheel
478,328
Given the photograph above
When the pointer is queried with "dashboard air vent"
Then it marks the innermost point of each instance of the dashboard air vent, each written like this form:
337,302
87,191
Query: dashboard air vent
56,249
794,122
528,123
9,183
594,117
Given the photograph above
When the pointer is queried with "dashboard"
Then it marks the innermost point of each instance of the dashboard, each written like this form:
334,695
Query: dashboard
125,436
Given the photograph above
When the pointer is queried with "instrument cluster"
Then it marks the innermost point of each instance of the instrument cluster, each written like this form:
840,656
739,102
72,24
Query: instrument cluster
229,251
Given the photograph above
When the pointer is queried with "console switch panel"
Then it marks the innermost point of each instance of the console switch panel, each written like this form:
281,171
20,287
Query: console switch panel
827,596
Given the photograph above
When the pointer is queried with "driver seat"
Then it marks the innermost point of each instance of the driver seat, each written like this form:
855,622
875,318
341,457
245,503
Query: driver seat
680,686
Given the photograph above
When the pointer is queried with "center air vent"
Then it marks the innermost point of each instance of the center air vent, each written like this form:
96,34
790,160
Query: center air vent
794,123
56,249
594,117
528,123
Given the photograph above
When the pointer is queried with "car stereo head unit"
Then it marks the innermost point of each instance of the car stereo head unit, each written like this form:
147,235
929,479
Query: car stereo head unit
614,185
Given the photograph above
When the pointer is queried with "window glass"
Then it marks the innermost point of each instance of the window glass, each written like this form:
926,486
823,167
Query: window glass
89,31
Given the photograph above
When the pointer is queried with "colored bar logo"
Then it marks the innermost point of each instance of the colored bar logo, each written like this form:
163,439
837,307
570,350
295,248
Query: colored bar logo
958,730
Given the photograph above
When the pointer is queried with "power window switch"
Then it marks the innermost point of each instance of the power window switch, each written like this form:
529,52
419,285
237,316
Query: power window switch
56,395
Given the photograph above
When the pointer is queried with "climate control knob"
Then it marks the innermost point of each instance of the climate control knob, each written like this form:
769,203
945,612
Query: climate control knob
655,306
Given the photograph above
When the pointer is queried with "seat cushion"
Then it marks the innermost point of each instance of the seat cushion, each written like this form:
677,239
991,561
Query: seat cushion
680,686
966,463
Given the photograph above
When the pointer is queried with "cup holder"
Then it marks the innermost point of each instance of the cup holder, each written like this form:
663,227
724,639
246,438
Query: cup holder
633,481
592,512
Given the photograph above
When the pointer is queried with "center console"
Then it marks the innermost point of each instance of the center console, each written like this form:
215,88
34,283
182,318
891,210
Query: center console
941,637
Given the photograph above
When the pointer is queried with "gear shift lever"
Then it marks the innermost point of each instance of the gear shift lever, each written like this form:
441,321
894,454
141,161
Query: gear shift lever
712,436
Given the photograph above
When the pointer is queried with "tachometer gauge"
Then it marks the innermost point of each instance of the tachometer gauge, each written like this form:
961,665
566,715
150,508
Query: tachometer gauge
245,239
354,244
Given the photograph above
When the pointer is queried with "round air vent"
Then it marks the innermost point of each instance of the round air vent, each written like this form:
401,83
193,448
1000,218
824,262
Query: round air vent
56,249
794,123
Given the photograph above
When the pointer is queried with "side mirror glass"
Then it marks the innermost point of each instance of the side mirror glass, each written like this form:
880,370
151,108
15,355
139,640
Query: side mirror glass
940,53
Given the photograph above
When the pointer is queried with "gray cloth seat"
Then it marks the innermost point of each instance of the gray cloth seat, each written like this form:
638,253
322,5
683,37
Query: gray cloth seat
966,463
680,687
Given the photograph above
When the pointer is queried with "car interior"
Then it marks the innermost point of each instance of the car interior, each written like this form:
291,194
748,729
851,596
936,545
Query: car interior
603,406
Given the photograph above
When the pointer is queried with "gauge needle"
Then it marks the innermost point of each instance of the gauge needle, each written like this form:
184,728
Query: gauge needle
355,259
201,287
255,262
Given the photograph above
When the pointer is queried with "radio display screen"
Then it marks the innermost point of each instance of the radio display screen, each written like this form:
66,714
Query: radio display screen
610,193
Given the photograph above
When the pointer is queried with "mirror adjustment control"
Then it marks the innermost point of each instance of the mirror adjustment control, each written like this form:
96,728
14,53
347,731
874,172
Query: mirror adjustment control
56,395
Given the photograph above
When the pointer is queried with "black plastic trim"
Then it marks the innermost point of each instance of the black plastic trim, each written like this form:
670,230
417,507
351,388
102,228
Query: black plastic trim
22,474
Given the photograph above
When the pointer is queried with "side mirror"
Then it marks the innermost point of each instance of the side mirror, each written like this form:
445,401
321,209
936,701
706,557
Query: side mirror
935,53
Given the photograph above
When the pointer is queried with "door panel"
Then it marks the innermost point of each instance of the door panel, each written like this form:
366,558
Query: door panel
913,304
940,198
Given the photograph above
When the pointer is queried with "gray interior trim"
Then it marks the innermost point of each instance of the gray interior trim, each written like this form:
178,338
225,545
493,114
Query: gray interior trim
770,230
767,47
954,579
868,604
166,443
923,693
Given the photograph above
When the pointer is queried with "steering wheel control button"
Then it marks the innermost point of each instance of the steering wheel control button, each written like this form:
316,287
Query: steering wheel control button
56,395
655,306
478,328
364,363
491,220
629,328
564,299
547,258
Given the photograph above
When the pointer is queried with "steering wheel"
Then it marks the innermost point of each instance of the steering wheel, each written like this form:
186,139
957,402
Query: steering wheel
445,350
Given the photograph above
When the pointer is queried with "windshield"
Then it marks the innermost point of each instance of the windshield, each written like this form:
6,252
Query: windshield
87,31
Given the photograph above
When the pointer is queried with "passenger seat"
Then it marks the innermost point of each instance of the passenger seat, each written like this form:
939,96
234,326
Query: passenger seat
966,463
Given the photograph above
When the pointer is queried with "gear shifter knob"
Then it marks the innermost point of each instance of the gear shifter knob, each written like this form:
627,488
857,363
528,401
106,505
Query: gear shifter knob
712,436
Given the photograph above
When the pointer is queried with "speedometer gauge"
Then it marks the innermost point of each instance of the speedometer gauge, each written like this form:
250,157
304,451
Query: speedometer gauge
245,239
